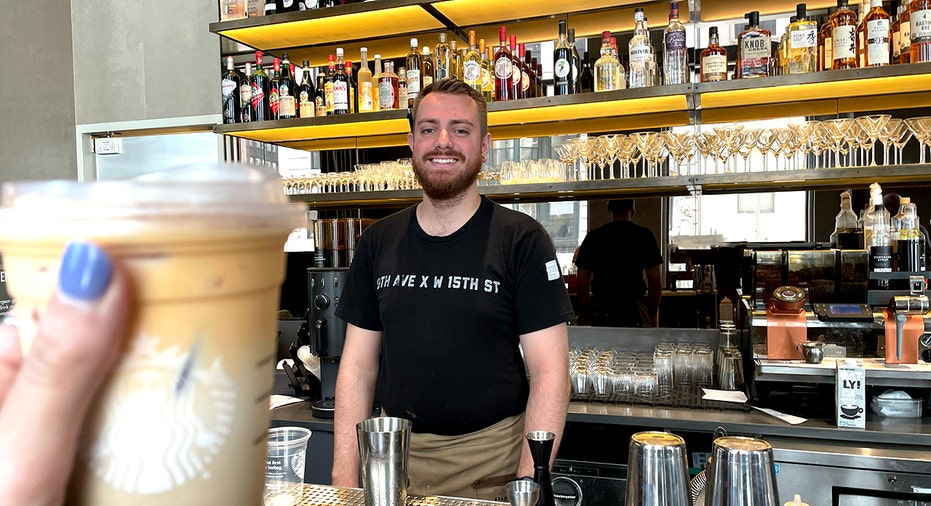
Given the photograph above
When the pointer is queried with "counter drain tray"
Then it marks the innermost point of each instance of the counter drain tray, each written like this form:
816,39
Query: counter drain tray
323,495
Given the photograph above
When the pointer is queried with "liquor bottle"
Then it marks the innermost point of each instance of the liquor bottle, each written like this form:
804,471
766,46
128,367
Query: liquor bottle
273,88
905,37
880,241
376,80
586,76
455,61
260,91
537,76
861,31
271,7
895,36
306,93
402,87
388,88
330,75
364,82
428,67
320,95
442,58
287,108
713,59
575,63
531,66
825,42
562,62
351,88
801,43
517,74
229,88
919,13
523,90
876,36
641,53
846,229
675,52
541,87
753,50
288,5
503,68
414,66
245,96
844,37
910,240
488,72
340,86
472,65
608,73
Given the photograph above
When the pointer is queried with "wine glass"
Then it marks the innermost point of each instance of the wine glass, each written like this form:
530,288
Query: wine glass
921,129
871,126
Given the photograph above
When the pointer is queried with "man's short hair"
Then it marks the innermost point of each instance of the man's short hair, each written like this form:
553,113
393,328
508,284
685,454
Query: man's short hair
454,86
621,206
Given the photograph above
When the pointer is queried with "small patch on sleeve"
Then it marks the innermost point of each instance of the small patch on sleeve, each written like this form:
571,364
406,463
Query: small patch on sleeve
552,270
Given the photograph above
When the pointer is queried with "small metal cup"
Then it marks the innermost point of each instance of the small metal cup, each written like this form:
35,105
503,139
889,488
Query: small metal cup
523,492
742,473
657,470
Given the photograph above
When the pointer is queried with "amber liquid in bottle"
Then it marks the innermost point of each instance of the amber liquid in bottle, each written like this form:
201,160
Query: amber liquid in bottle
876,36
826,42
754,50
713,59
905,37
844,37
919,12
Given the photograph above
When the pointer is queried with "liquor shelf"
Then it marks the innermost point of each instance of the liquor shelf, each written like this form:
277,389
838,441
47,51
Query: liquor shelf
837,178
817,94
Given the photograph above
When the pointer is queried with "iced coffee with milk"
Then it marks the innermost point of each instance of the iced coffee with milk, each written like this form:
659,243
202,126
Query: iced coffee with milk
183,418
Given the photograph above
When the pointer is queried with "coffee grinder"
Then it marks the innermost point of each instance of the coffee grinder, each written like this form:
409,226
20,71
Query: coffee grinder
327,332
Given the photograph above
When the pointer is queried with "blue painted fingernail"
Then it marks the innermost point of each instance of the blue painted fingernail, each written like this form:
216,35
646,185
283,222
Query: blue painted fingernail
85,271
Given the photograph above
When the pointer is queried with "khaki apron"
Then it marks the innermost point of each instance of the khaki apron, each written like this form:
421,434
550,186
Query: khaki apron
477,465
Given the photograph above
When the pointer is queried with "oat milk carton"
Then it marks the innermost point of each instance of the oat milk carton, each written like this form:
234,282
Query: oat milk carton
851,394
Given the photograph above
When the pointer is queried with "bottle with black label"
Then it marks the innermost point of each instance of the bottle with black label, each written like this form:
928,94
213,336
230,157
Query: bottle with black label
880,243
910,240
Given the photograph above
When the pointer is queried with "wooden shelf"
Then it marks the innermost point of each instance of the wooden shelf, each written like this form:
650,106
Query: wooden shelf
774,181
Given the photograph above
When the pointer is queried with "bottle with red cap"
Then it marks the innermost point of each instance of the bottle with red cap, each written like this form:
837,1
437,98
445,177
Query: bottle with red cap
504,67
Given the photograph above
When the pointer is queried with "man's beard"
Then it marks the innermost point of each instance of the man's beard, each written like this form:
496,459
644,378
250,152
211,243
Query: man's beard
445,190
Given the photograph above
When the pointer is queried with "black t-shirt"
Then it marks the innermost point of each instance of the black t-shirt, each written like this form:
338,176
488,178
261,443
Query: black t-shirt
451,310
617,254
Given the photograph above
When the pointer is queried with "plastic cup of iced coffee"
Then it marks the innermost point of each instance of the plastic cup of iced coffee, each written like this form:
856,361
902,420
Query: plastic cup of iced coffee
184,417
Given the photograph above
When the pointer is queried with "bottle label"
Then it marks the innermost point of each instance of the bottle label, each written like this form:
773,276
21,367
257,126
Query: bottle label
905,41
844,43
828,52
561,68
413,83
881,258
714,67
471,72
877,42
306,107
227,87
675,40
503,68
640,53
877,30
896,45
340,96
524,81
921,26
366,101
286,106
486,79
427,80
804,38
288,3
245,94
386,94
754,49
258,95
319,106
273,99
441,72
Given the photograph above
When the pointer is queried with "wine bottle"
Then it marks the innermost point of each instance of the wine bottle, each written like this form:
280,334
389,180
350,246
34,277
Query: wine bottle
260,91
562,64
364,78
428,67
245,96
488,72
273,88
306,93
586,76
503,68
516,73
414,67
286,90
229,86
472,65
320,95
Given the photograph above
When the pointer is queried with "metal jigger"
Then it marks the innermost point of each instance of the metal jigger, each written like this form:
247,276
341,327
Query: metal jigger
541,447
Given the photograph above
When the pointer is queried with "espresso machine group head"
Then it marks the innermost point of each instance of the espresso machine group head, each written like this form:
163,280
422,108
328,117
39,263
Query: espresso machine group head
327,332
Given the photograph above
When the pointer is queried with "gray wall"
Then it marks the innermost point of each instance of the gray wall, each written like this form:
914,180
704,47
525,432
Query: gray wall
37,139
100,61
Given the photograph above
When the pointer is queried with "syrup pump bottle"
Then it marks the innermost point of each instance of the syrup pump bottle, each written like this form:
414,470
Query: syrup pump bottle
541,448
846,228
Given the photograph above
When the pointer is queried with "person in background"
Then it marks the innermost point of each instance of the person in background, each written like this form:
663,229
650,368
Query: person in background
45,395
442,299
619,272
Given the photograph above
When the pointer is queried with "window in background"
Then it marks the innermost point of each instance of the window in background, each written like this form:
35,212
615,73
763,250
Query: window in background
565,222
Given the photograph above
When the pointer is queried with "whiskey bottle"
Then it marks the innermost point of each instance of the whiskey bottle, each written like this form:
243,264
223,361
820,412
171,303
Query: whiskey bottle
273,88
825,42
455,61
919,13
586,76
905,37
488,72
287,106
428,68
713,60
402,88
861,33
562,65
895,36
844,37
364,83
503,68
442,58
801,43
642,62
675,52
414,66
340,85
608,73
245,96
229,90
306,93
876,36
574,63
754,51
472,65
388,88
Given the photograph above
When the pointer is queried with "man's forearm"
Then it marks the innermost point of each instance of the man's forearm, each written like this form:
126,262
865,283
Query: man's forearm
354,397
546,410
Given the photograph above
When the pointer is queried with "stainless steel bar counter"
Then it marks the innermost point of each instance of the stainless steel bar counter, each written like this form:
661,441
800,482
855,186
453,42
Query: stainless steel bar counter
325,495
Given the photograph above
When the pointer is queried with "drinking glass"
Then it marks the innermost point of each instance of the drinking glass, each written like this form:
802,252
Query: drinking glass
921,128
625,147
871,126
891,131
748,140
708,146
764,144
900,138
610,146
837,130
680,146
730,136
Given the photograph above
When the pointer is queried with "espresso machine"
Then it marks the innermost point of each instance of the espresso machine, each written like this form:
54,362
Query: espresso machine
327,332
